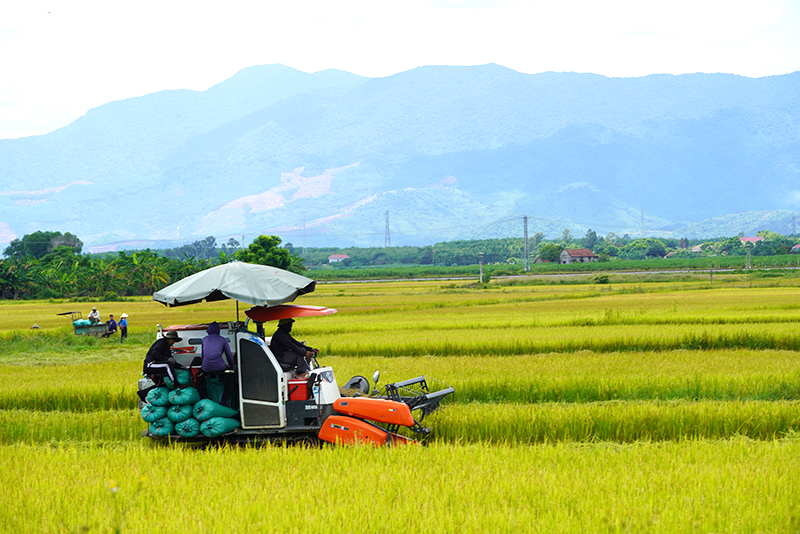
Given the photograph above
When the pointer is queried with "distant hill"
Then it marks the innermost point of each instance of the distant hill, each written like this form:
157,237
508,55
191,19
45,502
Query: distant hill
449,152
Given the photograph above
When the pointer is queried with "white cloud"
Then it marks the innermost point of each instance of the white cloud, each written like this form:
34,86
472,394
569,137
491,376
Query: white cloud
60,59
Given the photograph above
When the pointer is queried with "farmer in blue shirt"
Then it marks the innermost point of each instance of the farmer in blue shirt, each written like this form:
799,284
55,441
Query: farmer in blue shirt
123,327
111,324
215,351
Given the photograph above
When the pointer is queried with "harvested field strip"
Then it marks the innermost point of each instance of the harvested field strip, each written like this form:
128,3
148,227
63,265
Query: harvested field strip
691,486
545,340
71,399
491,423
25,426
555,377
620,422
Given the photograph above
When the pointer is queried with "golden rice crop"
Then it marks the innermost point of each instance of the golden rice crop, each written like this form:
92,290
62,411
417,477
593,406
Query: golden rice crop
416,318
703,486
682,416
110,426
619,421
553,377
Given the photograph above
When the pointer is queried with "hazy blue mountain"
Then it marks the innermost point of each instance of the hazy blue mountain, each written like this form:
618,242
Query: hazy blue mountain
449,152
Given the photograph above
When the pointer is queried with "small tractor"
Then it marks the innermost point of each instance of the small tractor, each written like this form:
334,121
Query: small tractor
84,327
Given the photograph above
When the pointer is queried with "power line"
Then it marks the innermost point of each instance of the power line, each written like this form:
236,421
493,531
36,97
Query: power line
525,265
305,232
387,241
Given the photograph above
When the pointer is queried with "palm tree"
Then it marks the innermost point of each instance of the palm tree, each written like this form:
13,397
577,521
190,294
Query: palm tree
17,278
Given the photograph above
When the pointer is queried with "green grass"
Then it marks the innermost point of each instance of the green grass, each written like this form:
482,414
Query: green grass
615,421
692,486
652,406
554,377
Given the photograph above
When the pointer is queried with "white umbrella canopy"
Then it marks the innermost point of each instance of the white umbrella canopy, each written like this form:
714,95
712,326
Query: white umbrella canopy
259,285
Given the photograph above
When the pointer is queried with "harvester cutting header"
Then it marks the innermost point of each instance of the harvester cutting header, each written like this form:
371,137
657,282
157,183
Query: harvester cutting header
268,398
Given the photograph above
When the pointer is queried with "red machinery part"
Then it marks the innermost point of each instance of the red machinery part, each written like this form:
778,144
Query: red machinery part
380,410
346,430
263,314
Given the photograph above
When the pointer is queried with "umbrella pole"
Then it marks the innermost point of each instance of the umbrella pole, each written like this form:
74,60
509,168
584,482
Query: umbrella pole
237,314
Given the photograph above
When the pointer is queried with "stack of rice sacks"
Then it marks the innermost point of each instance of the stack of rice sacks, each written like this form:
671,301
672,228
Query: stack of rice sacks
181,411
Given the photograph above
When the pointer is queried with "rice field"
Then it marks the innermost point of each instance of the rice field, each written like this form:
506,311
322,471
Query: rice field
650,406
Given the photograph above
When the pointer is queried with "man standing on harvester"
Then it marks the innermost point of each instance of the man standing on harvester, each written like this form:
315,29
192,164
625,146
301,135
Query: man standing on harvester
216,351
290,351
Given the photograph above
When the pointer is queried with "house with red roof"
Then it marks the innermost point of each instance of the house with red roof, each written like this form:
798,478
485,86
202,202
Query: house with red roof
336,258
577,255
752,240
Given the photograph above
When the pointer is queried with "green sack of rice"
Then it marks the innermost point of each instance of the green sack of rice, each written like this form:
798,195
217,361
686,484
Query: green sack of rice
215,388
162,427
158,397
188,428
184,396
182,377
216,426
206,409
152,413
176,414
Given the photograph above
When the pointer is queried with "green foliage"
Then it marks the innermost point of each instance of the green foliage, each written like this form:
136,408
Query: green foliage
643,248
550,252
591,239
265,250
63,273
39,244
204,249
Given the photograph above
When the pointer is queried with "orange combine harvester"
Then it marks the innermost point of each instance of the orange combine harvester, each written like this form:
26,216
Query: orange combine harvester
269,404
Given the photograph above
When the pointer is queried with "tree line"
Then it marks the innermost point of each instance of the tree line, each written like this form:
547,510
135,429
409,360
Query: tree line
610,247
52,265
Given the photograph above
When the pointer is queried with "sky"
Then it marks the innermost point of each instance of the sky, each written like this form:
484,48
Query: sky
61,58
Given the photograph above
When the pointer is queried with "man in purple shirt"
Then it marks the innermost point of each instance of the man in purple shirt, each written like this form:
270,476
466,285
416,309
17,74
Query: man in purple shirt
215,350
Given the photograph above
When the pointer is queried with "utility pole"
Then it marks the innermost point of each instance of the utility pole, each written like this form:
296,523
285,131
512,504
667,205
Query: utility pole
304,235
747,248
642,222
387,242
526,262
480,262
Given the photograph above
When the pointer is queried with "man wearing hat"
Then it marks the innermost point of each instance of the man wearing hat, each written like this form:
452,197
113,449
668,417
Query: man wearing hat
123,327
215,351
290,351
159,360
94,315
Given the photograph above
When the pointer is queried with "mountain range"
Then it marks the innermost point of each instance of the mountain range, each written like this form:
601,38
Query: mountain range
434,153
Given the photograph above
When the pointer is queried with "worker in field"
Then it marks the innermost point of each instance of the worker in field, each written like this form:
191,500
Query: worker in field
217,358
159,361
123,327
290,351
94,315
111,324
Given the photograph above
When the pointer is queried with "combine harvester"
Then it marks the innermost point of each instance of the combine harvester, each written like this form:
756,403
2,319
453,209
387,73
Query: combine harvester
271,405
